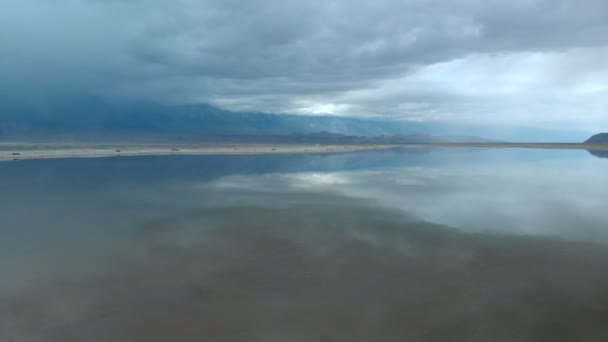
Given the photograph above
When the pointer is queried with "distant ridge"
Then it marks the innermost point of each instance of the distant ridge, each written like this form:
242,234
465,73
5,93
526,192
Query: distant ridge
601,138
92,119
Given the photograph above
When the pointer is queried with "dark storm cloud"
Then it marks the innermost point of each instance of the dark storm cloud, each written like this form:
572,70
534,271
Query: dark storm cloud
300,56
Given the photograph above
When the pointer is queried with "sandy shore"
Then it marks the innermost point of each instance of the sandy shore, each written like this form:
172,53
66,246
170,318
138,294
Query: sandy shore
20,151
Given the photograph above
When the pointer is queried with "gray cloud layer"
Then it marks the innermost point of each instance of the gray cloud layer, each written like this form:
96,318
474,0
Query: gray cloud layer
523,62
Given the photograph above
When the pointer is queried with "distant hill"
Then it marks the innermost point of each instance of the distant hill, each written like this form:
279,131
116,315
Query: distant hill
601,138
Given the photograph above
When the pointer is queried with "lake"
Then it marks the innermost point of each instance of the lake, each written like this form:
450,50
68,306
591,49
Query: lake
410,244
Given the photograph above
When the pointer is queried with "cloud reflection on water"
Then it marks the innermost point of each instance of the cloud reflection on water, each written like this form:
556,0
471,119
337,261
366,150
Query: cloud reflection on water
528,198
507,250
339,269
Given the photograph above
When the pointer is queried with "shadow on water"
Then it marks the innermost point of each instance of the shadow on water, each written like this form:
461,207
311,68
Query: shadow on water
328,268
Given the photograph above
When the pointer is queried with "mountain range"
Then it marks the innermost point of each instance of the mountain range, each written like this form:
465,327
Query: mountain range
91,118
94,119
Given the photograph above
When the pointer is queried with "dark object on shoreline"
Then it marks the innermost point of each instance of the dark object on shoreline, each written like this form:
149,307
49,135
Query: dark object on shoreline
175,150
16,154
601,138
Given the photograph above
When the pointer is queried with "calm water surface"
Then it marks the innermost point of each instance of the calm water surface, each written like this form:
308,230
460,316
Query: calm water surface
399,245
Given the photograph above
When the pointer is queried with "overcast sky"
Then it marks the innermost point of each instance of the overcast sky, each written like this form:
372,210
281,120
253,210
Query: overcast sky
529,63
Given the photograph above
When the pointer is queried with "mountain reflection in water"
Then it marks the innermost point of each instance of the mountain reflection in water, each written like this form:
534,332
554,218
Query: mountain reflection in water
599,153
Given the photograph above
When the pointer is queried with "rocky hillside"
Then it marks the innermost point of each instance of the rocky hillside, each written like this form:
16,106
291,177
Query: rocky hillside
601,138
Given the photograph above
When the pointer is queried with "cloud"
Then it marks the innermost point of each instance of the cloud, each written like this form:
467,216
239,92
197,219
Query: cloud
458,61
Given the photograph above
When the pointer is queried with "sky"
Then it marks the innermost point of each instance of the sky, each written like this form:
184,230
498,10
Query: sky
524,63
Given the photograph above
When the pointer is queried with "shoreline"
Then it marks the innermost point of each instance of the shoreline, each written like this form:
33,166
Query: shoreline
12,151
546,146
26,151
